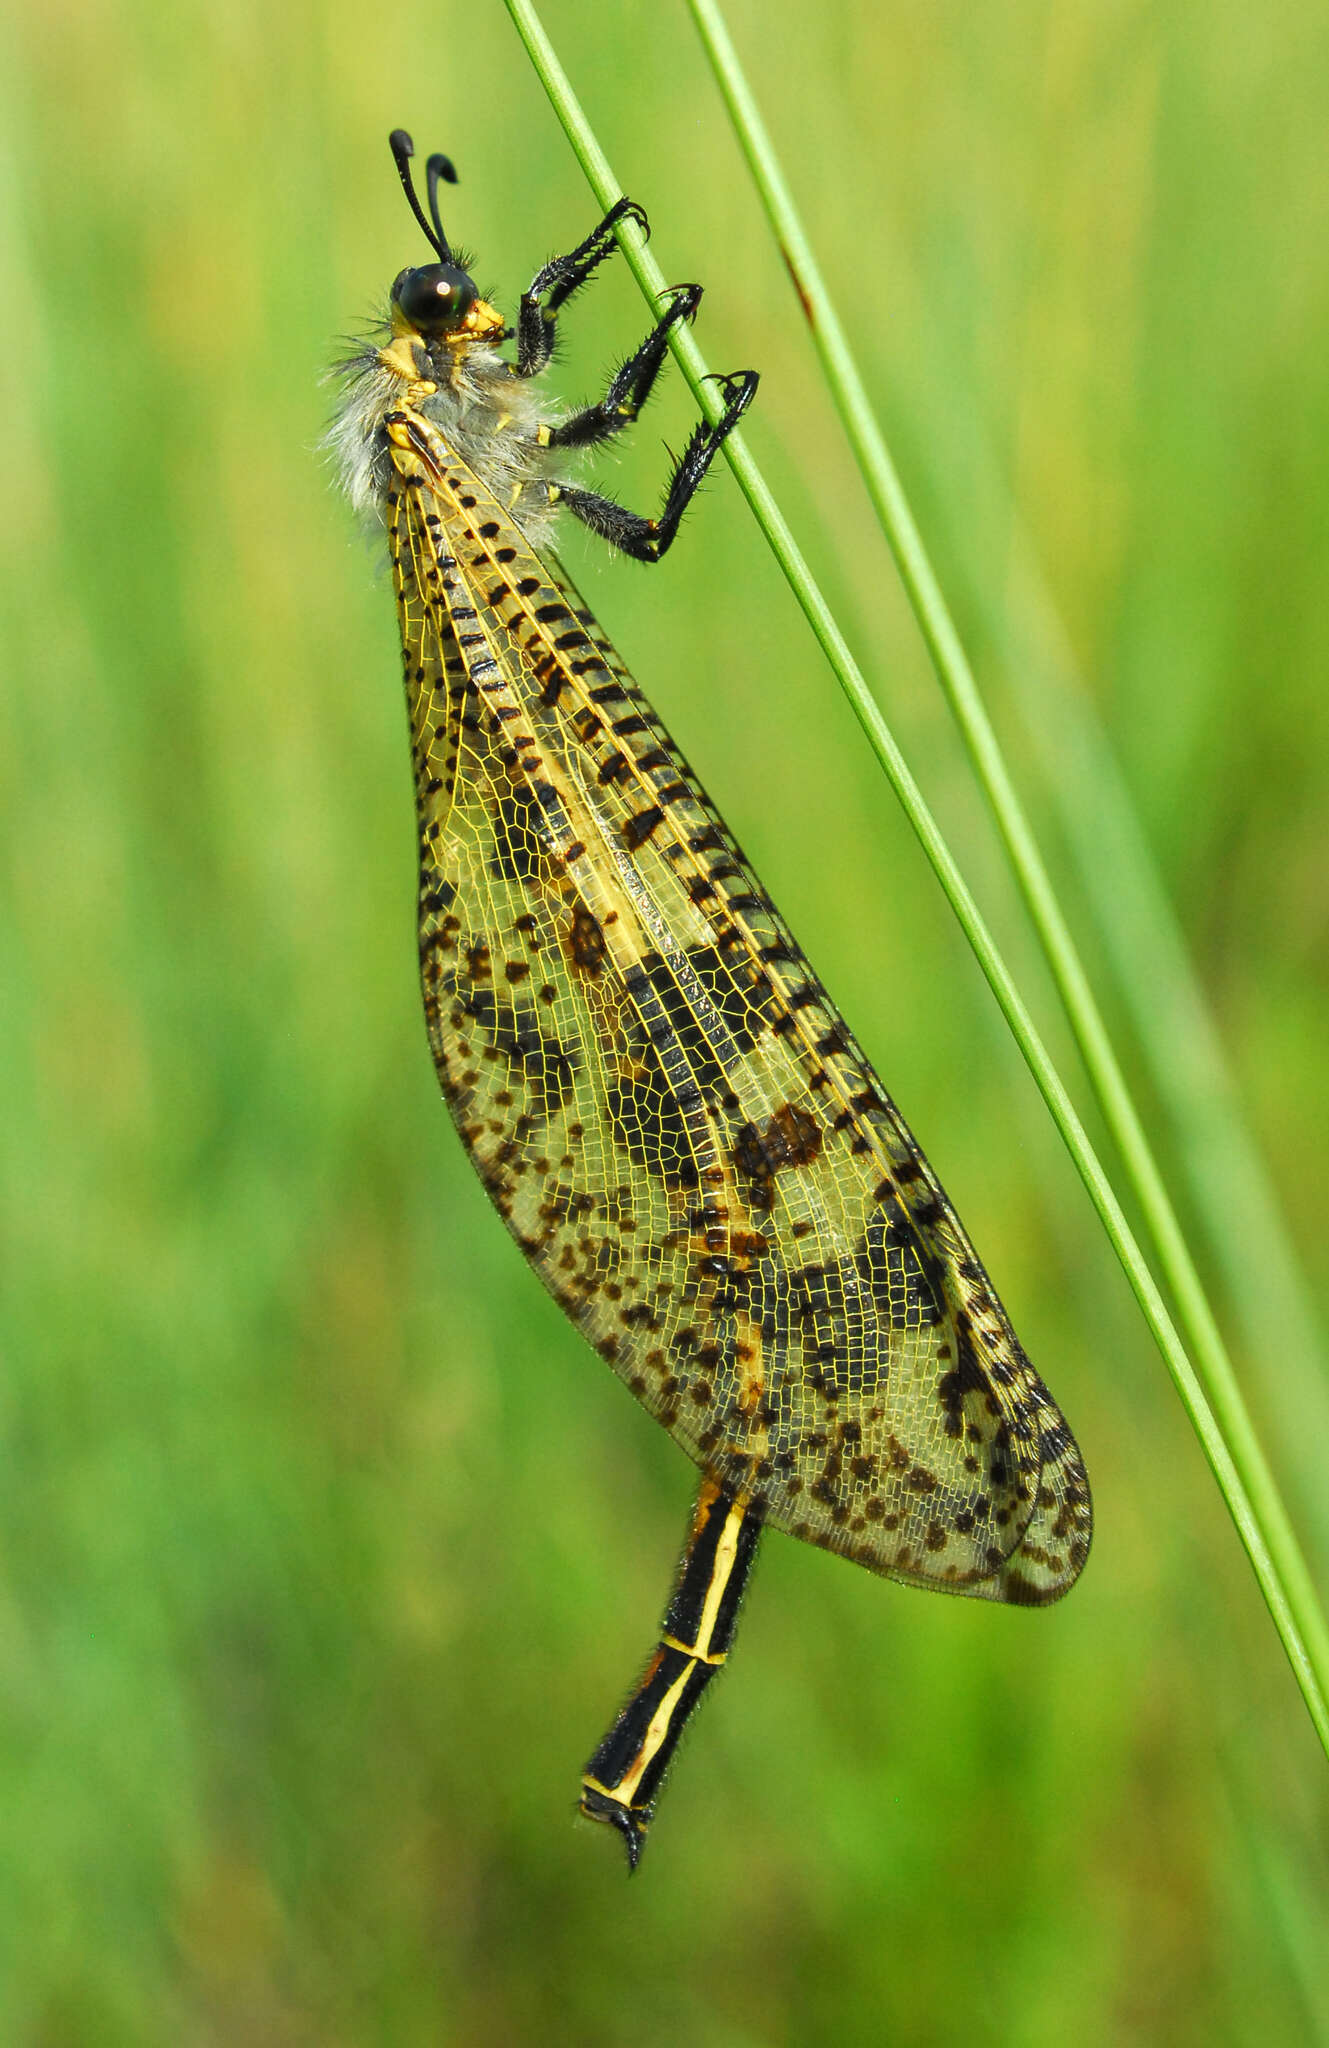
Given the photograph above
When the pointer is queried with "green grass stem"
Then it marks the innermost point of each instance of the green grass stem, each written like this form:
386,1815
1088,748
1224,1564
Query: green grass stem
1232,1449
1231,1190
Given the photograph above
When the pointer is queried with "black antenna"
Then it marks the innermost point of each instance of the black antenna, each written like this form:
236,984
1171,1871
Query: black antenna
403,149
439,166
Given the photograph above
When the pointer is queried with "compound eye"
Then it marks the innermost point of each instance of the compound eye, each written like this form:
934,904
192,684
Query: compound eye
435,297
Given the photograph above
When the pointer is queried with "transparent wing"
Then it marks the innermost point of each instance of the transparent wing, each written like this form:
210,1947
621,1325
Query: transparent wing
668,1111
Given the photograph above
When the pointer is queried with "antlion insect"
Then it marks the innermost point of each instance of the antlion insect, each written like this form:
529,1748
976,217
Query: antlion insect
666,1108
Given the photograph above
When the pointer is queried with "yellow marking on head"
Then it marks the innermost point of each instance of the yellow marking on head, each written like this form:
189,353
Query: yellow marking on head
482,323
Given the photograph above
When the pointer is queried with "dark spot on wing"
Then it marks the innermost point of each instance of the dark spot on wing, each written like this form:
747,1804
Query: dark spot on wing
966,1377
648,1121
788,1138
543,1062
586,941
714,1028
520,850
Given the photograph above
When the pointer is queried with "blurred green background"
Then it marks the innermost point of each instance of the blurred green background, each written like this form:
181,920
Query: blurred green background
326,1550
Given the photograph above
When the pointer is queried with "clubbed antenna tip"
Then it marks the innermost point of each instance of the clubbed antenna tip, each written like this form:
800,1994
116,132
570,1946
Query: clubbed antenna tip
438,168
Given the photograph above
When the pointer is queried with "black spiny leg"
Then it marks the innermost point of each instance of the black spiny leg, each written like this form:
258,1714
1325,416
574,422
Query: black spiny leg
647,539
560,278
631,386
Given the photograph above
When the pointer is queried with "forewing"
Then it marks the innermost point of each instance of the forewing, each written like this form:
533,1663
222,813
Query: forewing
668,1111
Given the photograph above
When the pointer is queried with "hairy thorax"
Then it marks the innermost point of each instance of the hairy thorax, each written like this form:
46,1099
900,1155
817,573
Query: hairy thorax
489,418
